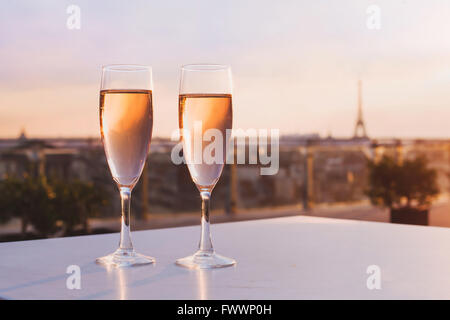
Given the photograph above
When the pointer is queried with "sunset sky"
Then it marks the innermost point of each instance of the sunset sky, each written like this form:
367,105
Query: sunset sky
295,63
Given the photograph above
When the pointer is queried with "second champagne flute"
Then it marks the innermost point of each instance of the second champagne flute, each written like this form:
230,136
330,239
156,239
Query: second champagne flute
205,114
126,123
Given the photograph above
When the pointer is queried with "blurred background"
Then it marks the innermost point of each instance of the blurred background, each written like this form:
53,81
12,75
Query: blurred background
358,90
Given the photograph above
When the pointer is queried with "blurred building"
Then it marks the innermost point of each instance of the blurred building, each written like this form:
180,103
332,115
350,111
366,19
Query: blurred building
312,170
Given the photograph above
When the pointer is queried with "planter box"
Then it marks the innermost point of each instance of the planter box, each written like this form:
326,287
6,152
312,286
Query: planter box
409,216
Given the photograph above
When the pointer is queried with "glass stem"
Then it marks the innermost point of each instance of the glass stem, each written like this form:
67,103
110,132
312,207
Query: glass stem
125,237
205,245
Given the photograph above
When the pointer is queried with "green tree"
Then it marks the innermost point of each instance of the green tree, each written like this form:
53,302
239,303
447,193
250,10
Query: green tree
76,202
407,185
43,203
9,190
30,199
38,205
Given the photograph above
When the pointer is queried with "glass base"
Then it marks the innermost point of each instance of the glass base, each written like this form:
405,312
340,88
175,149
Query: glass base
124,258
205,260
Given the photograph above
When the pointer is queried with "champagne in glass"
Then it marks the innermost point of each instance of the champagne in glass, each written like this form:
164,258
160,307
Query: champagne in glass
205,106
213,111
126,122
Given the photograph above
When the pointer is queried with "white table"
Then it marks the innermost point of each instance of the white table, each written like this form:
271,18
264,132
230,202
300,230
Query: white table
283,258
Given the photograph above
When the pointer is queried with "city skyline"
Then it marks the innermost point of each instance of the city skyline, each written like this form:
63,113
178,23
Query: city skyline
295,65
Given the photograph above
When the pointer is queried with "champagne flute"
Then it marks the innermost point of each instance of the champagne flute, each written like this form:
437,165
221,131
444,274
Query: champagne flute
126,122
205,110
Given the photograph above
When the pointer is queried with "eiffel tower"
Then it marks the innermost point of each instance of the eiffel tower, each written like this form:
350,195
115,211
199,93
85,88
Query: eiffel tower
360,128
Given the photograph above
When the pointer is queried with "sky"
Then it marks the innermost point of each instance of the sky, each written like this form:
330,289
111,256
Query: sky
295,64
